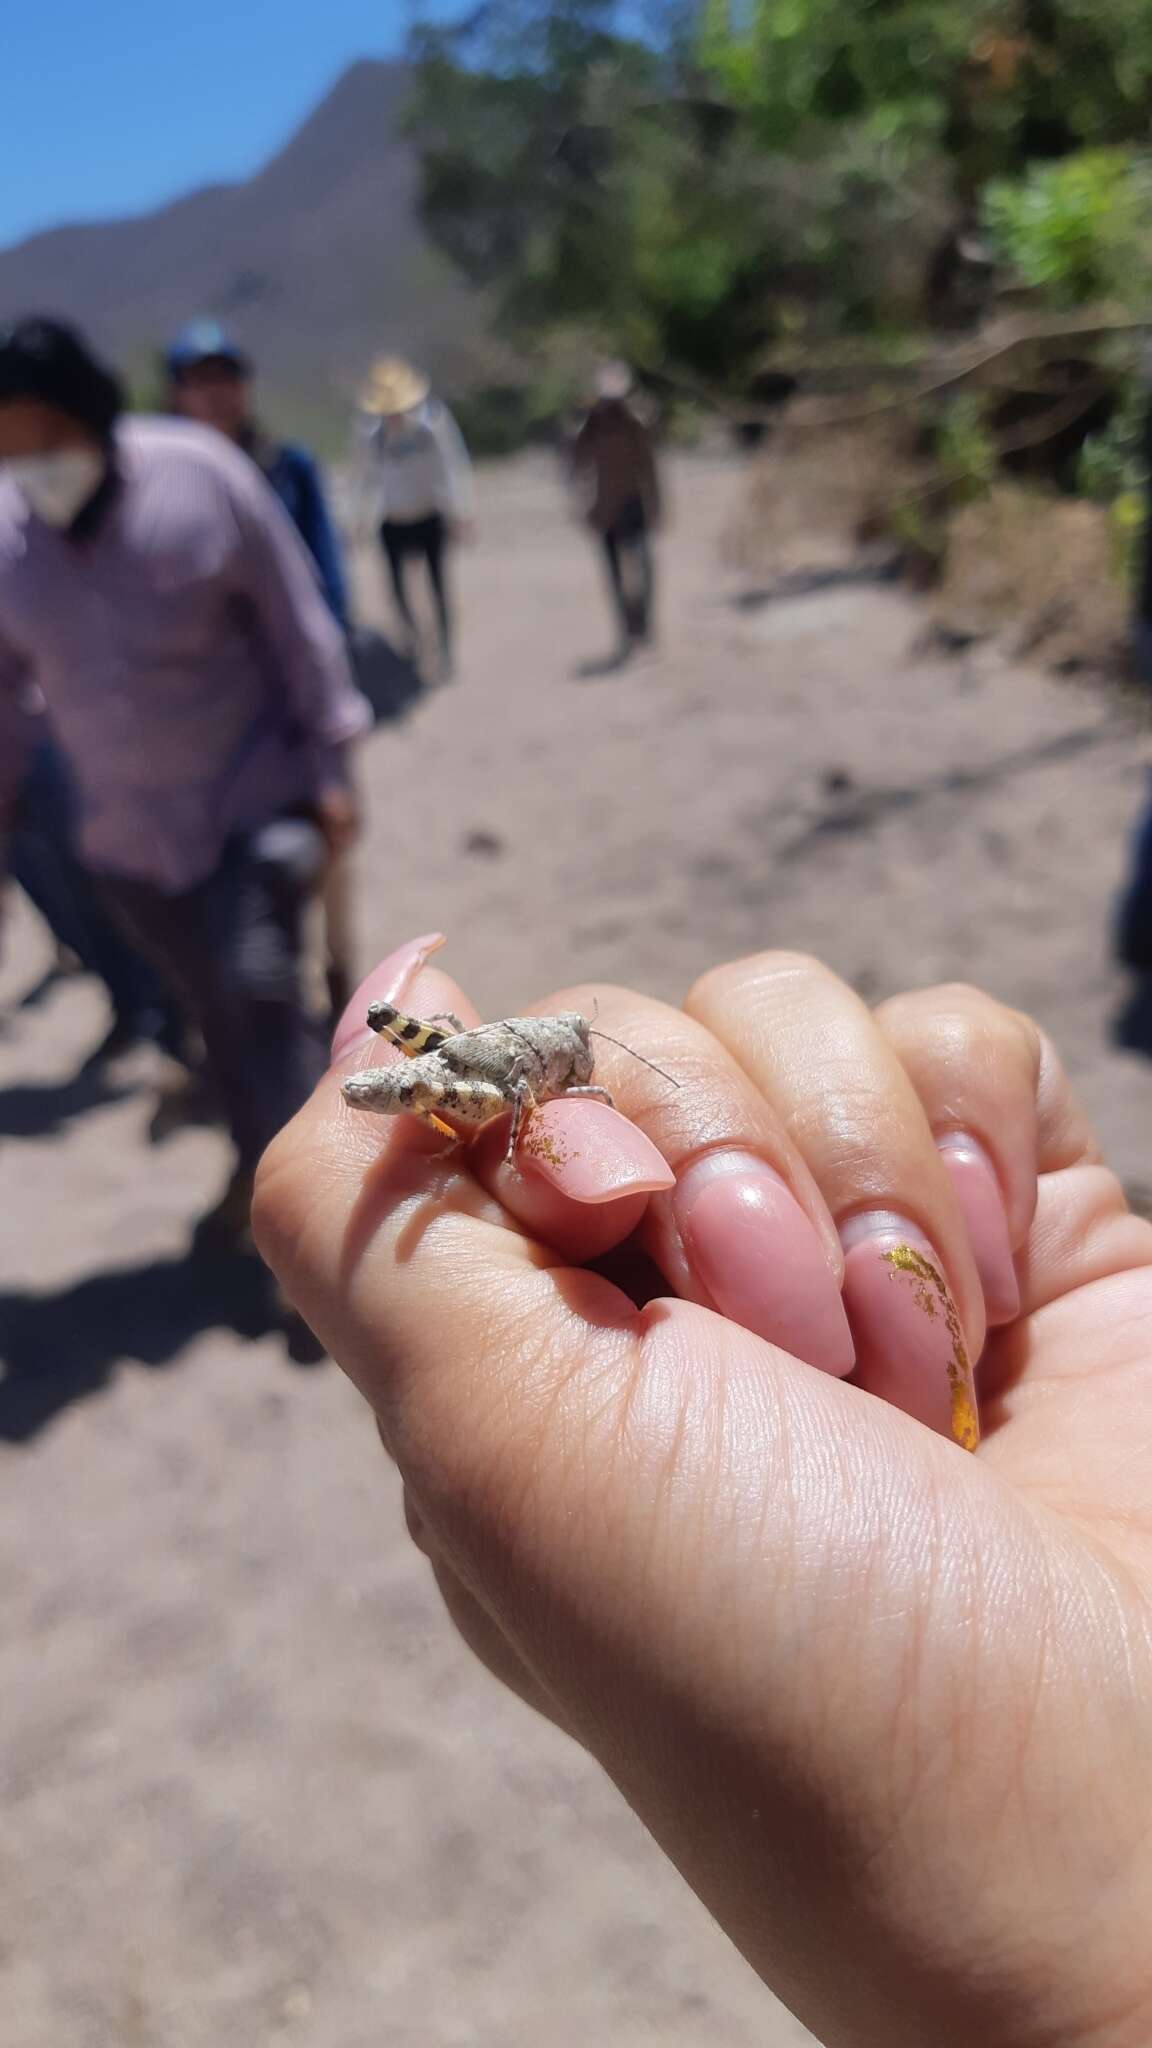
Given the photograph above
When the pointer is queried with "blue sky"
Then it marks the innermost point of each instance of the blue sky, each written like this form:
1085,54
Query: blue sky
112,106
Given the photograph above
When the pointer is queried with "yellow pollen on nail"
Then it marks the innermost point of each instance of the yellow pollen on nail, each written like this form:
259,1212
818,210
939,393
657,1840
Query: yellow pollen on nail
543,1145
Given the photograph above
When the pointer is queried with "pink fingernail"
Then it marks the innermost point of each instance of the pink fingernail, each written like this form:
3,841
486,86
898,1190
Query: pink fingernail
910,1346
387,983
978,1190
760,1258
591,1152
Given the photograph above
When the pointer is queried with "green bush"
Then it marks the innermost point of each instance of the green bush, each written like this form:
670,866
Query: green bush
1079,229
1113,470
965,450
1112,462
500,419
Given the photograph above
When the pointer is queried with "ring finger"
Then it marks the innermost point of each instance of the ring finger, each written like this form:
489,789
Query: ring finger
843,1096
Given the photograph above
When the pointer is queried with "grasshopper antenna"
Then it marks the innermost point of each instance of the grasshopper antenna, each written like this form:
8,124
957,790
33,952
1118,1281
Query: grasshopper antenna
635,1055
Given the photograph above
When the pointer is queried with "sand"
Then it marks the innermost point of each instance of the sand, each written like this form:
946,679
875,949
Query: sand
254,1790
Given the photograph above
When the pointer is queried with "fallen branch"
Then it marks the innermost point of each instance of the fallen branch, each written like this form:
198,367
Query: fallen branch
1092,327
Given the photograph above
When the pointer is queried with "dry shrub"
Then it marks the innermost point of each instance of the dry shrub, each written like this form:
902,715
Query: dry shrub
1039,572
816,494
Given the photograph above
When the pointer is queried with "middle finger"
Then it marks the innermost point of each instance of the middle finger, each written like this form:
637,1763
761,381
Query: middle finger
745,1230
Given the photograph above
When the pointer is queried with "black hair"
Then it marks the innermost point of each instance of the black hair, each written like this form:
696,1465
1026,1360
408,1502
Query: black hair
52,362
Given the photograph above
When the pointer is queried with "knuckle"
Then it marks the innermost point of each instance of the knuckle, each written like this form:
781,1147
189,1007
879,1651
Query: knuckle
754,972
957,1022
863,1111
1111,1232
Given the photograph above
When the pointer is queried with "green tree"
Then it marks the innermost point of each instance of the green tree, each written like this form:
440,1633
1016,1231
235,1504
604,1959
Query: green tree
993,83
746,170
584,176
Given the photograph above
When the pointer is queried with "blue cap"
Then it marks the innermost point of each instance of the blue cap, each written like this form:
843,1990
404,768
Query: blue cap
203,341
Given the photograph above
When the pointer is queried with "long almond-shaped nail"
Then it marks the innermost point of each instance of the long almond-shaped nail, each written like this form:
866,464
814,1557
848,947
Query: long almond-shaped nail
387,983
978,1190
590,1152
760,1259
910,1346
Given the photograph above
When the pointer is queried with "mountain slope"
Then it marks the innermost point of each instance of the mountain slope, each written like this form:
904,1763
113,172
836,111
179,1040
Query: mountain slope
317,262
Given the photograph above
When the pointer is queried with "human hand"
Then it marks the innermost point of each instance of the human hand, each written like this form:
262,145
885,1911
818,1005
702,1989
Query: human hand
338,816
884,1703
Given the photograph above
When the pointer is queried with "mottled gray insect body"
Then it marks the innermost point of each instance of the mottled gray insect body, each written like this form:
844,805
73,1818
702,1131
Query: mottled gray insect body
473,1076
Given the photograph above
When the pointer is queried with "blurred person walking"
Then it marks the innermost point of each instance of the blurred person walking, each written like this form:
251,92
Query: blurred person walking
212,380
154,594
415,476
616,479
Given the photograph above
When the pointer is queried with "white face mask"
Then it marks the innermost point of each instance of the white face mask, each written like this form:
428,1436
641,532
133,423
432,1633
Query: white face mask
57,486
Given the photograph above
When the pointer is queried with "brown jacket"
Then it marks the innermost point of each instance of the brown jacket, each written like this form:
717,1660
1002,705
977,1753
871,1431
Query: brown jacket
614,461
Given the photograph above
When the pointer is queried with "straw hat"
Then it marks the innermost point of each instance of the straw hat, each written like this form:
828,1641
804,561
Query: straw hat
393,386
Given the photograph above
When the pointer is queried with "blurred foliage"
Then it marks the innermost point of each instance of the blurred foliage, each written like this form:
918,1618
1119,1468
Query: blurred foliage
1113,463
965,449
1127,518
990,84
699,185
497,419
1079,229
1113,471
583,176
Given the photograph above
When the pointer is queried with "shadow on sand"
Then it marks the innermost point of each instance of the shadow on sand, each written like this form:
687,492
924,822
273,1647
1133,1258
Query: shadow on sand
601,665
37,1109
880,567
391,683
59,1348
39,991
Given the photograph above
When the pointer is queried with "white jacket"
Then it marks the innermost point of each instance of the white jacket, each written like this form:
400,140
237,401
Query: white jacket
421,469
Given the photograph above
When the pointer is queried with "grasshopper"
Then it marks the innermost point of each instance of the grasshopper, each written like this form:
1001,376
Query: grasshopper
474,1076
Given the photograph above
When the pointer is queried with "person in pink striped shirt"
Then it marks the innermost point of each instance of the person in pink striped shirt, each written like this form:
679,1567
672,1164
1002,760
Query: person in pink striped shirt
155,597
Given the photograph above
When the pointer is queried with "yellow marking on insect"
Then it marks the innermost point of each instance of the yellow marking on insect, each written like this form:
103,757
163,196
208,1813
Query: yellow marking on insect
408,1033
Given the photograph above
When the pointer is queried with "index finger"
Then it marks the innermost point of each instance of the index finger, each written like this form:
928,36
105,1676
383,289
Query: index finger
583,1211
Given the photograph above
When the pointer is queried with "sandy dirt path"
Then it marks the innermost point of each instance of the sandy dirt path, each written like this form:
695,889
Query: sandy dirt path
254,1792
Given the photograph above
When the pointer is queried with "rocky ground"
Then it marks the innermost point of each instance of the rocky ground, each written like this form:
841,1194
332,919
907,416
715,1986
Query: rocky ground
253,1789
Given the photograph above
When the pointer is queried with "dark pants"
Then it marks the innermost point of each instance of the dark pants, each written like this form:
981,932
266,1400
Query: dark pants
628,553
1134,919
43,859
232,947
401,539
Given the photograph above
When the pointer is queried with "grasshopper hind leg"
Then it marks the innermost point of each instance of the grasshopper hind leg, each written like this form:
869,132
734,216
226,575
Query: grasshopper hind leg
410,1034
